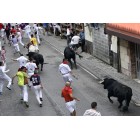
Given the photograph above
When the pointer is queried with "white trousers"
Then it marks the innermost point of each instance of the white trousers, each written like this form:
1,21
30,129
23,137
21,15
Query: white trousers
4,38
16,48
38,39
67,78
28,34
71,106
2,80
56,27
38,93
36,48
24,93
20,40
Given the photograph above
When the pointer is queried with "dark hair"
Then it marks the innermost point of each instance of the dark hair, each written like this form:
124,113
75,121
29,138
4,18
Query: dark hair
13,36
36,71
30,59
64,59
1,63
32,35
22,68
93,104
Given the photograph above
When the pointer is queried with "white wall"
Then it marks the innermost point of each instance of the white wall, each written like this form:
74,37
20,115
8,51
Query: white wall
114,44
88,32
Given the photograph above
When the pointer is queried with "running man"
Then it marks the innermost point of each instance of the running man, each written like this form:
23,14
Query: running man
37,86
34,41
30,66
3,77
65,70
15,44
70,100
22,60
22,83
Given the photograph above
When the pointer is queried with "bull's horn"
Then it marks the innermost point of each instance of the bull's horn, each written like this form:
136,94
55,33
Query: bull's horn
100,82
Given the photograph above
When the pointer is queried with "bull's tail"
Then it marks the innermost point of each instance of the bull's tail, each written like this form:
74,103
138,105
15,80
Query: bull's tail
45,63
80,56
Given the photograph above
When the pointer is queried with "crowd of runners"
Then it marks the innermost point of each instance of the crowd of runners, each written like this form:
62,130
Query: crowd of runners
27,74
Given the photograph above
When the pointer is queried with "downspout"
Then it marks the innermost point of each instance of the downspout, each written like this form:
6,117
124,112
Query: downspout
118,55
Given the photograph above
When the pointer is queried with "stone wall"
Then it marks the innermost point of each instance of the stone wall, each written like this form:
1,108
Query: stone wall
101,44
89,47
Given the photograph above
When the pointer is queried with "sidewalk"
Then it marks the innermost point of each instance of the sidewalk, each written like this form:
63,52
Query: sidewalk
97,67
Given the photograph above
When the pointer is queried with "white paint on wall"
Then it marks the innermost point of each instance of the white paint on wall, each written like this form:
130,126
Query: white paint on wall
88,32
114,44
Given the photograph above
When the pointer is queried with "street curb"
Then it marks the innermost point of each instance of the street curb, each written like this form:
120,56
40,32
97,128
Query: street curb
56,106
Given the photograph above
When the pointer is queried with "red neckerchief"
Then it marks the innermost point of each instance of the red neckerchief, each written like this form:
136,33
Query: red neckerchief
65,62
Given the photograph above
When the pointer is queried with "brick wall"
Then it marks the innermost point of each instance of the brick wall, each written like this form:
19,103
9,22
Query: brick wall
101,45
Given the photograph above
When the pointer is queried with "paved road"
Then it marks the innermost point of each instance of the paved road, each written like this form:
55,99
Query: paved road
86,88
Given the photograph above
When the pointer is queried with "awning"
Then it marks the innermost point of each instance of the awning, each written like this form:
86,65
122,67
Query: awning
127,31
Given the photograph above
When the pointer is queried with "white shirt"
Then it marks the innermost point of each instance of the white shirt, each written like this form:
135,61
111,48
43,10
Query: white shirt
64,68
91,112
34,25
36,30
2,32
75,39
68,31
27,28
19,34
54,24
3,72
32,48
22,61
30,67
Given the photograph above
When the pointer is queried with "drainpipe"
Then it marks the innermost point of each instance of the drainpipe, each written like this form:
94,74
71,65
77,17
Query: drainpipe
118,55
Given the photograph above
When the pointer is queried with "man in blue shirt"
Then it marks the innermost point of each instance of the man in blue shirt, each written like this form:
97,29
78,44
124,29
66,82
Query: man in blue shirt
46,27
82,37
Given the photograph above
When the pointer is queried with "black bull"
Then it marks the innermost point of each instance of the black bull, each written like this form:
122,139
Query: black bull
37,57
116,89
70,54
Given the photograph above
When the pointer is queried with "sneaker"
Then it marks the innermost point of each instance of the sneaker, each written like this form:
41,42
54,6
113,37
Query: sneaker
41,99
9,88
26,104
40,105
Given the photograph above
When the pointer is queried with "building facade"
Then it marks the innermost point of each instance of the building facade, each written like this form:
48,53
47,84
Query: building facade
125,46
